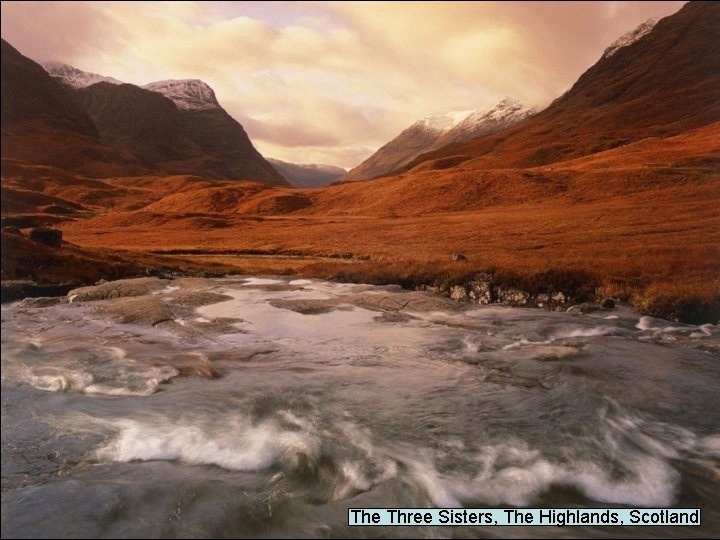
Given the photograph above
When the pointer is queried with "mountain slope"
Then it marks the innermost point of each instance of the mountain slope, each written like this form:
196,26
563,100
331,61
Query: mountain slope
140,121
435,132
662,84
308,176
42,124
208,126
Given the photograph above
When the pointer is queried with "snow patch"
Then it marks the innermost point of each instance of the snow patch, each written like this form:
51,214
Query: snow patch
74,77
504,111
630,38
443,122
187,94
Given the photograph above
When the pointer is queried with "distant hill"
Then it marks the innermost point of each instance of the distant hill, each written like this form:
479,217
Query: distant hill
434,132
308,176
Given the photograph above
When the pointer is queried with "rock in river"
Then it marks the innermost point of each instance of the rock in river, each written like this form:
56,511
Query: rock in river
117,289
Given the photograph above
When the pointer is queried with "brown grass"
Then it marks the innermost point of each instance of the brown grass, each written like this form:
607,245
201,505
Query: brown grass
647,233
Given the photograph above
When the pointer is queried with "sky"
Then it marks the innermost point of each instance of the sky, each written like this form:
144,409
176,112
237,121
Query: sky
330,82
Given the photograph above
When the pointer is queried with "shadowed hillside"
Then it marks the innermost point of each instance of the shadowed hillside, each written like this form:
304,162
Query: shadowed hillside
41,123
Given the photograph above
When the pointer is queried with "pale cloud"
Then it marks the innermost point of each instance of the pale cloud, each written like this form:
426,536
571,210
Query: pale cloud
332,81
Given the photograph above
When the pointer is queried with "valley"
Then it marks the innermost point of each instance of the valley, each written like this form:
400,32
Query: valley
263,263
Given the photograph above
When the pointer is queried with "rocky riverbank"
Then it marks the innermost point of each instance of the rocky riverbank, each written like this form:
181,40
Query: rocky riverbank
482,289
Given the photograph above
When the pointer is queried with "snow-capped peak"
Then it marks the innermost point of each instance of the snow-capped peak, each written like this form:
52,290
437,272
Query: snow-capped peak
190,94
630,38
505,110
74,77
443,122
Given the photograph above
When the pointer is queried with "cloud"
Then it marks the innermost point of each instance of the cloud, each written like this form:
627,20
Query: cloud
333,80
288,134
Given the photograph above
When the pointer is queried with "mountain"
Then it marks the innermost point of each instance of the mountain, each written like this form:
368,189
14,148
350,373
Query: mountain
434,132
307,176
174,127
629,38
42,124
74,77
208,126
663,83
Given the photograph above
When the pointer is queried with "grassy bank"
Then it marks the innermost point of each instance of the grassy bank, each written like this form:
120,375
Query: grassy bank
689,297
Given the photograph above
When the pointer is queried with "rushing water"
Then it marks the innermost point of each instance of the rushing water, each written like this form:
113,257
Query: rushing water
369,398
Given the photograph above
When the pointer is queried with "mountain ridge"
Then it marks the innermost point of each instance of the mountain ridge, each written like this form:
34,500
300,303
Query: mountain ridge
620,99
187,94
75,77
433,132
93,124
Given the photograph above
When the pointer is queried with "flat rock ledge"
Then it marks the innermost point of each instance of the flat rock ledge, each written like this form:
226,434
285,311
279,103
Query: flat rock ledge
117,289
374,301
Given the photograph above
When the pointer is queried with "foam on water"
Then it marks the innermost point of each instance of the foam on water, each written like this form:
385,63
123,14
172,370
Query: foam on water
513,473
658,326
104,370
450,409
587,332
628,464
262,281
522,342
705,330
236,445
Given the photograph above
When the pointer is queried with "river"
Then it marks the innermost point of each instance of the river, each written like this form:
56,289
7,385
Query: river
265,407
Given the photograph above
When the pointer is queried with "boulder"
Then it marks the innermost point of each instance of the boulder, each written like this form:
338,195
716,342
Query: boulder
480,292
202,368
458,293
184,302
408,301
11,229
41,301
583,308
305,306
117,289
393,317
608,303
47,236
147,310
555,352
511,295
